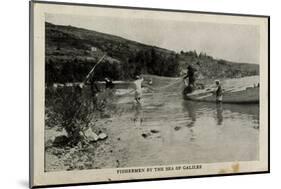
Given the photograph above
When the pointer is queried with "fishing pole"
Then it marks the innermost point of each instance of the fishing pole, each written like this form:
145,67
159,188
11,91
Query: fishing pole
92,70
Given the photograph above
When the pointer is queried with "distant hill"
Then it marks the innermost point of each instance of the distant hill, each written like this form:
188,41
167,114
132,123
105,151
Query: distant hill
71,52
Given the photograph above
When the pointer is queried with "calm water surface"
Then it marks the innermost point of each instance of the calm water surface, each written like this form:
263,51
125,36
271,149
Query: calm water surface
169,130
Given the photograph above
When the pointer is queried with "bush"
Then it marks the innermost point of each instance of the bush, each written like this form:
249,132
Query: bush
74,109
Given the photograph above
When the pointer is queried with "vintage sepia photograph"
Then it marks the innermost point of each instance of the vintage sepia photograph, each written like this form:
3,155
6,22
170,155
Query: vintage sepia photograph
128,92
120,95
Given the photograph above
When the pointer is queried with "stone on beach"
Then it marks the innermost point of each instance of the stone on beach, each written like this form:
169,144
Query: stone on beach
61,140
154,131
145,135
177,128
102,136
91,135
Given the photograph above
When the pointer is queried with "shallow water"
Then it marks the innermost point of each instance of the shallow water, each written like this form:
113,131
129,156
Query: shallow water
166,129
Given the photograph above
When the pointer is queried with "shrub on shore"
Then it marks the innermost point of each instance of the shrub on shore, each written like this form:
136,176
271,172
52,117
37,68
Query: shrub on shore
74,110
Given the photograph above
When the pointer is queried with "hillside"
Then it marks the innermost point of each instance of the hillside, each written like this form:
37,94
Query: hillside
71,52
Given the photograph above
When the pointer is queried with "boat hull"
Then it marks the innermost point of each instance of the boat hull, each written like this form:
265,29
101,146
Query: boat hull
248,96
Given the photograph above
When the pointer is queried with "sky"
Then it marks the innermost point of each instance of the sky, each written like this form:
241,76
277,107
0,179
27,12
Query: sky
238,43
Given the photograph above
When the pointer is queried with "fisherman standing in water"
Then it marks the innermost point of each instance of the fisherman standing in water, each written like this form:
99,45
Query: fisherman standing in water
218,92
137,106
138,90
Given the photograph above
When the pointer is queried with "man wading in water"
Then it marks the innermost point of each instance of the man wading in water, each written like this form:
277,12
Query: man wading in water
218,92
138,90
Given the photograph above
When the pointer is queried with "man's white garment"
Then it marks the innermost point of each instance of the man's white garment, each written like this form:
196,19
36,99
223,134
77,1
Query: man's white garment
138,87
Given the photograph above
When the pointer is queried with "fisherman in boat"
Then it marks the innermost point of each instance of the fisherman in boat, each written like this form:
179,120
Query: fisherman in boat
191,79
138,90
218,92
190,75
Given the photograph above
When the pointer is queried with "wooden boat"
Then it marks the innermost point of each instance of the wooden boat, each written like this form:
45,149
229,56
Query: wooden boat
247,96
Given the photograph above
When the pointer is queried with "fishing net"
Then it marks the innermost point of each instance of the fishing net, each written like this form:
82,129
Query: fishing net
164,84
151,85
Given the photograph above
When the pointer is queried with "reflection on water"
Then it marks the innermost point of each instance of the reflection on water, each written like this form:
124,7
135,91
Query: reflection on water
138,115
219,113
191,112
171,130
